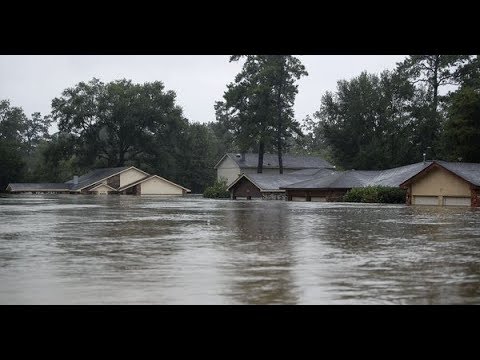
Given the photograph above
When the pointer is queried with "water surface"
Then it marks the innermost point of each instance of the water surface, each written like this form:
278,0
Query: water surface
74,249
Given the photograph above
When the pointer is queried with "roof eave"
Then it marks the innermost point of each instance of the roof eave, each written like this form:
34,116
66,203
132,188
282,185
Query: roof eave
427,169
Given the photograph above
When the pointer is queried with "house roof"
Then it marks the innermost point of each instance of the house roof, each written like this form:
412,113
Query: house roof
274,182
13,187
97,175
360,178
469,172
270,161
151,177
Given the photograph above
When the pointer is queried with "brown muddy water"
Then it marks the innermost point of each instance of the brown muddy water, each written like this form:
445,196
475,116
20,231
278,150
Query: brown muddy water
67,249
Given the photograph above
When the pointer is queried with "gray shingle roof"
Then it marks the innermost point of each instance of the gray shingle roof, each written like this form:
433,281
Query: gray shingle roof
361,178
14,187
270,182
331,179
94,176
270,161
467,171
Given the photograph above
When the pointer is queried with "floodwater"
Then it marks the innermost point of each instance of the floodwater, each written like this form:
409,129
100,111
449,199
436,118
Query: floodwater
76,249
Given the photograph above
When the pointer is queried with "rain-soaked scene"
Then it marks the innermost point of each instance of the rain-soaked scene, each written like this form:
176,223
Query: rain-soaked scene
239,179
67,249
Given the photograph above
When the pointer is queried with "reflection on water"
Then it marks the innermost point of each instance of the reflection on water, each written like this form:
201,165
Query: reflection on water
123,249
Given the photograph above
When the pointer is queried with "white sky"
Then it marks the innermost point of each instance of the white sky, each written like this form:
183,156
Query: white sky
31,82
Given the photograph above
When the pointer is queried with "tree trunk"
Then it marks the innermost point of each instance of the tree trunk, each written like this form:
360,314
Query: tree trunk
279,124
261,151
435,85
121,158
436,118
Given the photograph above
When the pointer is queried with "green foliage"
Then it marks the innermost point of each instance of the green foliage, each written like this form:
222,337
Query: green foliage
12,160
120,120
366,124
217,191
462,129
376,194
258,107
200,156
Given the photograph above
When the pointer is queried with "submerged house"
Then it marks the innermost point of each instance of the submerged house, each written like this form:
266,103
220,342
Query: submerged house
426,183
118,180
269,186
445,184
231,166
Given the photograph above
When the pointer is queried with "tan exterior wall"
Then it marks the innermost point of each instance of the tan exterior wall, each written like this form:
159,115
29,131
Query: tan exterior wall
440,183
229,170
101,190
130,176
157,186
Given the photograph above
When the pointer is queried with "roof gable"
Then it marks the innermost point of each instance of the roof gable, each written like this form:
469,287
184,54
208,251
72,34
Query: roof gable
98,175
102,185
468,172
150,177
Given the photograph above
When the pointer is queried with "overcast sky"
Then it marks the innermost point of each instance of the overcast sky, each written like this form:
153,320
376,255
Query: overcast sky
31,82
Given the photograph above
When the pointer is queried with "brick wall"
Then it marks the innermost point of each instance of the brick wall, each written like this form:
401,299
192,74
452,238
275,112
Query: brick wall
475,197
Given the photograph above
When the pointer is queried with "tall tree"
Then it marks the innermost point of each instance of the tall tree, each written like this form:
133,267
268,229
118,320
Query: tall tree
433,72
36,129
12,127
119,120
247,107
258,106
282,72
462,129
367,122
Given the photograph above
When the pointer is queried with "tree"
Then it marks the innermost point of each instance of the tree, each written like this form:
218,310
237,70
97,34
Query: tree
433,72
462,129
56,160
247,107
36,129
367,123
114,123
12,126
282,72
258,106
200,156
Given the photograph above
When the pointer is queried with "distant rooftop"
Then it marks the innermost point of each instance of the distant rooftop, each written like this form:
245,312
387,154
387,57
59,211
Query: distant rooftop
94,176
270,161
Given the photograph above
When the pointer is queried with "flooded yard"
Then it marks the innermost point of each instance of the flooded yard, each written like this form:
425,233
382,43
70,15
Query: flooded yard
74,249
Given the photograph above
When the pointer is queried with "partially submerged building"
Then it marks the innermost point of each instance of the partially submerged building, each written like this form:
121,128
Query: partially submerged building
426,183
231,165
118,180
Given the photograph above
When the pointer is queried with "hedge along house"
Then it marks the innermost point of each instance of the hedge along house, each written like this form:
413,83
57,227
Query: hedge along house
231,166
105,181
268,186
445,184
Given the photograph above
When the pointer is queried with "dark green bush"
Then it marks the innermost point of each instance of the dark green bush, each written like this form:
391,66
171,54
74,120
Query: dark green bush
217,191
376,194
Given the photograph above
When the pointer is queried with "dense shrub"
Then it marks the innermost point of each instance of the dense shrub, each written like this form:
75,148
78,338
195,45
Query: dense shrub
217,191
376,194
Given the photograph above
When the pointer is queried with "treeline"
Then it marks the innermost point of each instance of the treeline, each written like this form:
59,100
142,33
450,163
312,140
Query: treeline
429,104
107,125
